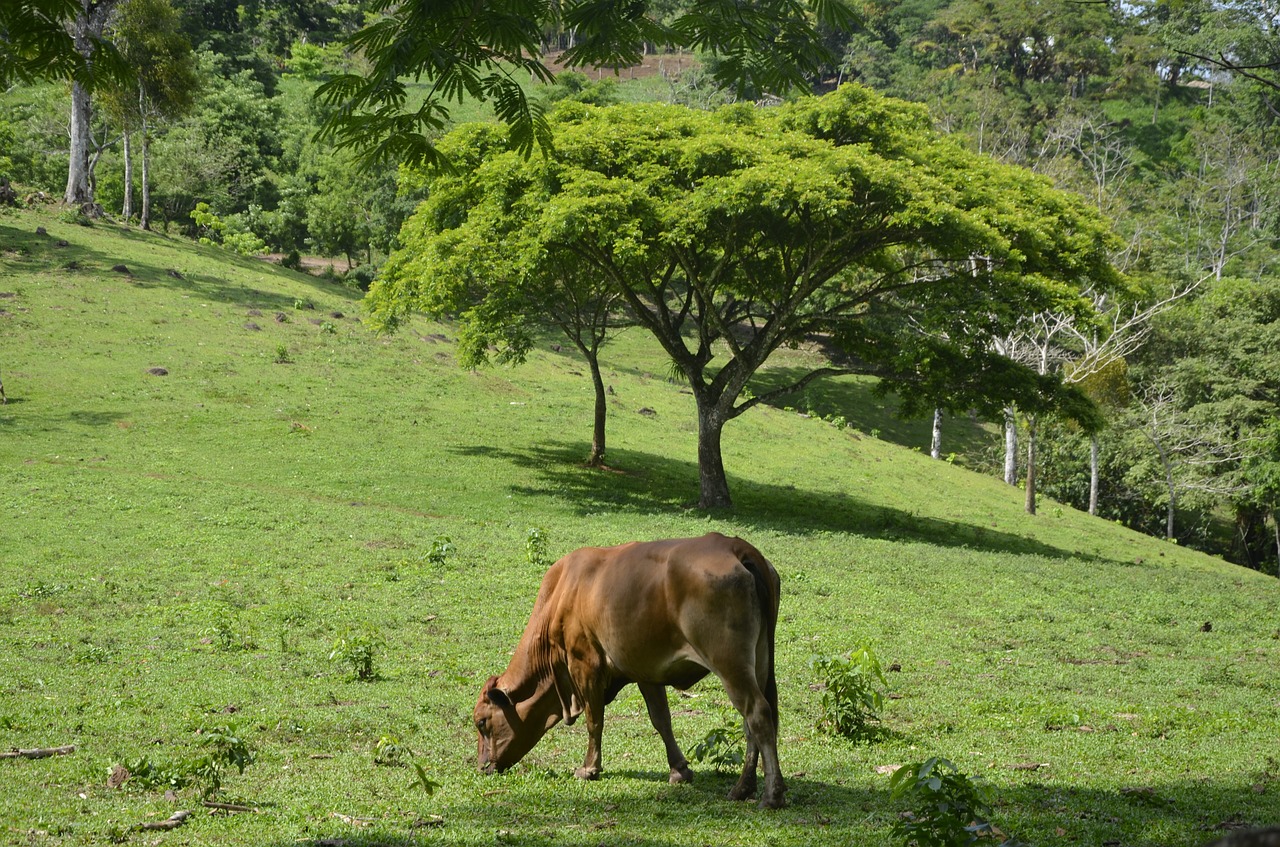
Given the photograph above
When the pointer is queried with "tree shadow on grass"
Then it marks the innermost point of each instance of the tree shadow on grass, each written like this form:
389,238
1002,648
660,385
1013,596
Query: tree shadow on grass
47,252
555,811
34,420
645,484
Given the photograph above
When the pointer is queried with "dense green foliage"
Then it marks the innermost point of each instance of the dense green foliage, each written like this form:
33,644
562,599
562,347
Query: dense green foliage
459,51
183,550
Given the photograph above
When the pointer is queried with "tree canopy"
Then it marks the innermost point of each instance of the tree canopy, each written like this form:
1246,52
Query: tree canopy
459,49
727,235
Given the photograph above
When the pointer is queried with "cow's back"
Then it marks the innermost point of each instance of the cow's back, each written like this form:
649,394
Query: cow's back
662,611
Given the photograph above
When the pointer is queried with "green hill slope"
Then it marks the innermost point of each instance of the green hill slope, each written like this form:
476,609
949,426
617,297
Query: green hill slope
183,550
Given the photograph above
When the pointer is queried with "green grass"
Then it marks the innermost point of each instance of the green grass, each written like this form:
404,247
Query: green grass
182,552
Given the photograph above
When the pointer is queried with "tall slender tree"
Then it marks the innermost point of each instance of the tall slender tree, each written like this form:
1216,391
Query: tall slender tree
148,36
87,28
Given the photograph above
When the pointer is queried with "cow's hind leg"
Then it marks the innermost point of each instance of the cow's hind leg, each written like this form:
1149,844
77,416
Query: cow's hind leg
655,699
762,741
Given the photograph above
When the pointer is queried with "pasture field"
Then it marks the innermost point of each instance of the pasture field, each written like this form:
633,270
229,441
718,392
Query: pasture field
182,551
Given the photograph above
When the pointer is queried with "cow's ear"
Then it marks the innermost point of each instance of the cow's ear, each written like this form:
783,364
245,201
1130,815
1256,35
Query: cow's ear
496,695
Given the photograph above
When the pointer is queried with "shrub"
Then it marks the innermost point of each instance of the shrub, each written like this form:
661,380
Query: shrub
244,243
357,650
851,699
441,549
360,277
389,752
226,749
535,546
947,808
722,747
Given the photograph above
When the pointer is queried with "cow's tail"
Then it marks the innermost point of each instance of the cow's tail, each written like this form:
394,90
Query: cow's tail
768,588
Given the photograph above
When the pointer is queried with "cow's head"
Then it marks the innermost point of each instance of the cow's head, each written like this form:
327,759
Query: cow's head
508,730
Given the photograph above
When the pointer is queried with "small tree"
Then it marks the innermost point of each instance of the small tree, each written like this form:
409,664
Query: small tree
501,283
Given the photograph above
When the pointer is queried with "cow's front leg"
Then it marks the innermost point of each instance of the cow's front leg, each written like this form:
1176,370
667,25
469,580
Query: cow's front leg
655,699
595,729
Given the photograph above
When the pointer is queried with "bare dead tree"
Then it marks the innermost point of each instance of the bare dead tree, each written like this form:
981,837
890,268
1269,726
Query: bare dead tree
1191,453
1122,333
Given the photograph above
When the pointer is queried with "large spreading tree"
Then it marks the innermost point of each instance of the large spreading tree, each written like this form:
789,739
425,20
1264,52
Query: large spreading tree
727,235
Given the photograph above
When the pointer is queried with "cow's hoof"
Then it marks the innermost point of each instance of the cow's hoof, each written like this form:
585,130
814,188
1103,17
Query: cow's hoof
742,792
772,801
587,773
680,775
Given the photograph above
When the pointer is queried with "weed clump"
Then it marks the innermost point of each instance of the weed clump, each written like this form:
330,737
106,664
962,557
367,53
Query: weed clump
852,695
948,808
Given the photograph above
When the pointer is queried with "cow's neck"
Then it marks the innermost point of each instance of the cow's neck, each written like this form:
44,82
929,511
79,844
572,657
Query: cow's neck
530,683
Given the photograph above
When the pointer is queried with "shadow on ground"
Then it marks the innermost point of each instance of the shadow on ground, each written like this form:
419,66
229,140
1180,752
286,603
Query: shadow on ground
48,253
644,483
553,811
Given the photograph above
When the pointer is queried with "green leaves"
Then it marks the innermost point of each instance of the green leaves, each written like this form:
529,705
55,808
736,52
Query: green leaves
947,807
461,50
852,697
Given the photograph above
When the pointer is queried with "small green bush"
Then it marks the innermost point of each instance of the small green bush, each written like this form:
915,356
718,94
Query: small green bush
947,808
852,697
361,277
535,546
226,749
389,752
442,547
722,747
357,650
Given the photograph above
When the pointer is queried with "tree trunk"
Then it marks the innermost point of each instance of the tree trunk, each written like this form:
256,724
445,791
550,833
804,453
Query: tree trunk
1031,465
1010,446
85,29
1275,525
597,432
712,483
145,218
78,193
935,448
1094,474
1167,464
126,210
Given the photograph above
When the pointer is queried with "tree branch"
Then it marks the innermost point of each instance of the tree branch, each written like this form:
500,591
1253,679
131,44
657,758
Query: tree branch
798,385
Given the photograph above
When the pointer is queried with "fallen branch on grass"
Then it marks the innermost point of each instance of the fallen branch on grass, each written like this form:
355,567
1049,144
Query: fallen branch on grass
228,807
38,753
174,821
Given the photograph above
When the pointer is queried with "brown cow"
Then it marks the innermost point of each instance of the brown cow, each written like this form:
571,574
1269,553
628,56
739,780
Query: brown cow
656,613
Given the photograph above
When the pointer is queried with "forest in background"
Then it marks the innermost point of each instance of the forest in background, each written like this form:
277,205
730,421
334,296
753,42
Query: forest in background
1162,114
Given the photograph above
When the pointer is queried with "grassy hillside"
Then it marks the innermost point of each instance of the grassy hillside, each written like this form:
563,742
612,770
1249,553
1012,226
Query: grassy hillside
181,552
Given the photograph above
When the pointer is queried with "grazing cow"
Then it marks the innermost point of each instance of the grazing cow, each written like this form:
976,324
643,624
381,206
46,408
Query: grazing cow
657,613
